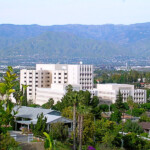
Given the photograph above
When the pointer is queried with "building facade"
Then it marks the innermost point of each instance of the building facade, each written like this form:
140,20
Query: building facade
46,78
108,93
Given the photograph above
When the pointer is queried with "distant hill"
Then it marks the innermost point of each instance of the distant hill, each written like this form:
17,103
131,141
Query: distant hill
75,40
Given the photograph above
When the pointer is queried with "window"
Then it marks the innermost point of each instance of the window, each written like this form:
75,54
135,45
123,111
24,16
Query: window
59,82
36,77
59,77
47,84
59,73
24,72
30,89
30,81
36,73
54,81
54,73
30,73
36,81
65,73
54,77
65,78
41,85
30,93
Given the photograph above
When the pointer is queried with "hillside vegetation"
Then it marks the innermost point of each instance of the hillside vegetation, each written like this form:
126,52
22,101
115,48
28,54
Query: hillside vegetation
75,40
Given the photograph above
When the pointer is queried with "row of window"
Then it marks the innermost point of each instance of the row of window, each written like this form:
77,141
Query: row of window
85,74
85,83
60,73
37,73
86,69
60,77
86,79
88,87
60,82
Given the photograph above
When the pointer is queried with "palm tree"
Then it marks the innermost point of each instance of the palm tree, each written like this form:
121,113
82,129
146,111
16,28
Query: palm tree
130,103
83,110
75,98
69,88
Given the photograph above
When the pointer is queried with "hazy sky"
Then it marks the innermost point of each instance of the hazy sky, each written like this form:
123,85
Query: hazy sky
50,12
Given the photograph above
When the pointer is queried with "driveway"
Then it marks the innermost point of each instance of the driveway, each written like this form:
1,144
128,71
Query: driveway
20,137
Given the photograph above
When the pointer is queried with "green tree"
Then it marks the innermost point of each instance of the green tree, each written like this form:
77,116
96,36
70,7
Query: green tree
83,110
133,142
40,126
88,129
144,118
103,126
59,131
119,102
67,112
33,105
130,103
146,106
69,88
7,87
136,111
104,107
49,104
24,101
75,98
116,116
133,127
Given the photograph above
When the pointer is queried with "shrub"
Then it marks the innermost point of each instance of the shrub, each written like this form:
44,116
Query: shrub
7,142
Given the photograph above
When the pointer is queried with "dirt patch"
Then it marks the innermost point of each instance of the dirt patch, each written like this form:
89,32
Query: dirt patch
32,146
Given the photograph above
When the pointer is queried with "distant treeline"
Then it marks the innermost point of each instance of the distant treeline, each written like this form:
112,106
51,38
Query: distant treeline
132,77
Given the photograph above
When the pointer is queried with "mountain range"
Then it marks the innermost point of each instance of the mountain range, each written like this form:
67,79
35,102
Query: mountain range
67,41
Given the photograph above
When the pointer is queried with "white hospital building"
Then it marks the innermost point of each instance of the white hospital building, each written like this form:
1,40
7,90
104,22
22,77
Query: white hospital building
50,80
108,93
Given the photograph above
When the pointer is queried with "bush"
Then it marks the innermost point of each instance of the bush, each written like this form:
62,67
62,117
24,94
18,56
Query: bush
144,135
133,127
136,111
7,142
132,142
59,131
